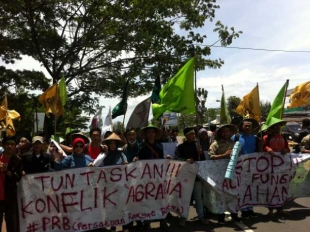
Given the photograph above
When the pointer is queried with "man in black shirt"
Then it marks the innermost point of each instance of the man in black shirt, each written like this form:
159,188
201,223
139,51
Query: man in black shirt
36,161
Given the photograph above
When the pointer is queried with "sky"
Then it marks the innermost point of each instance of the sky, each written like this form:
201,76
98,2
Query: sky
266,24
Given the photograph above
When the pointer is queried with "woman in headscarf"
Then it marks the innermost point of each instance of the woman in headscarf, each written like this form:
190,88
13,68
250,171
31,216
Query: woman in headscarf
78,159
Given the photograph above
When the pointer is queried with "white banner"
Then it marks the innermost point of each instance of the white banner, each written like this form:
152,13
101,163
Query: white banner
89,198
259,179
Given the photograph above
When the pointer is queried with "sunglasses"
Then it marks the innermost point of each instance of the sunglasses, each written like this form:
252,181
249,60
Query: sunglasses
78,146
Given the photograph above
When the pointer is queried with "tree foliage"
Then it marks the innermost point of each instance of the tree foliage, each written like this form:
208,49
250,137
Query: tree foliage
265,108
98,44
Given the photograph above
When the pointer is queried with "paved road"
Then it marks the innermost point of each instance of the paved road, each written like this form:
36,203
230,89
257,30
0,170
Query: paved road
298,221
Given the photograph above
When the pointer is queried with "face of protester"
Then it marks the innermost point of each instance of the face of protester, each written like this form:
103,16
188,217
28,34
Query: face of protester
23,143
37,147
112,145
204,136
95,137
276,128
225,133
131,137
247,128
9,147
150,135
78,148
190,137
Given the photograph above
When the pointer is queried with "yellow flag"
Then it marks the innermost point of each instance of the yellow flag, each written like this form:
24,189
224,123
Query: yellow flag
51,101
300,96
240,108
249,107
6,118
3,109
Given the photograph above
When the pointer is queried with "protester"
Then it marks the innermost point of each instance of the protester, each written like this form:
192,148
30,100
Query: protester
68,135
190,151
221,148
94,148
204,142
45,142
275,142
165,138
24,145
107,134
112,157
174,134
78,159
68,149
10,174
250,144
305,130
211,133
305,144
132,148
36,161
152,150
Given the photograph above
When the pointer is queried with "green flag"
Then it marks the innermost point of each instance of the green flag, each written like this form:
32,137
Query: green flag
178,94
156,90
121,107
276,110
63,91
224,116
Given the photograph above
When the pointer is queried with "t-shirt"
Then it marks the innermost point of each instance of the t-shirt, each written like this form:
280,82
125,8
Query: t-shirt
248,143
277,143
93,152
2,176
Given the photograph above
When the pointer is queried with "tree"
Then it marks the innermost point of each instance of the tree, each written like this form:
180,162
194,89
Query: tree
233,102
186,120
213,112
265,108
97,45
118,127
20,80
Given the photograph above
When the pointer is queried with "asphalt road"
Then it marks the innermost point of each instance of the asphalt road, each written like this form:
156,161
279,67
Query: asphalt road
297,221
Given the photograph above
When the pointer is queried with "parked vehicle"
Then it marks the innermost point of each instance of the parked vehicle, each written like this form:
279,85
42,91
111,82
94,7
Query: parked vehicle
291,130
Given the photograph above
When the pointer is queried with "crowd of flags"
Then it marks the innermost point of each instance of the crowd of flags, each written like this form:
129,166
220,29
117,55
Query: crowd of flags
177,95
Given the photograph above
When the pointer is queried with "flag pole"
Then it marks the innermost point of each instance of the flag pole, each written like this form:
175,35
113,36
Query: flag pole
6,113
124,117
55,121
259,102
195,92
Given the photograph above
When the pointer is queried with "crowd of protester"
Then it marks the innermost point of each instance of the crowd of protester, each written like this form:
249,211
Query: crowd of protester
25,155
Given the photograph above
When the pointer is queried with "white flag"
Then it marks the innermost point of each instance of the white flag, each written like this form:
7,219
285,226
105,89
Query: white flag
107,124
97,119
140,115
